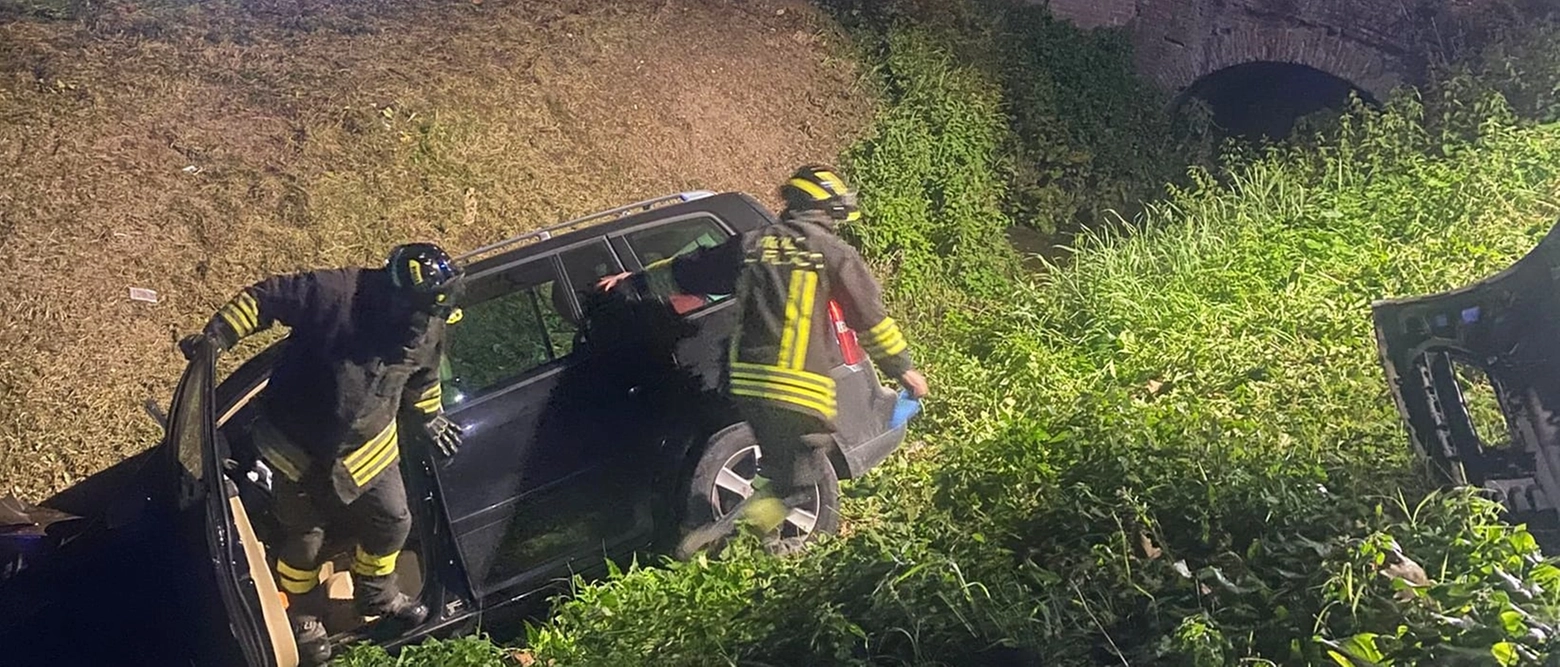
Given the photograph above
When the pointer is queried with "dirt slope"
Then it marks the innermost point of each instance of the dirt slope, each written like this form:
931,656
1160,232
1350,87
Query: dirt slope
191,150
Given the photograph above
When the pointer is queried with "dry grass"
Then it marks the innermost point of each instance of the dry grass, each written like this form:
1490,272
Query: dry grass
192,150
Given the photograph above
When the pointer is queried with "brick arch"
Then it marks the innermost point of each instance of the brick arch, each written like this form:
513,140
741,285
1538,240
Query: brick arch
1369,69
1177,42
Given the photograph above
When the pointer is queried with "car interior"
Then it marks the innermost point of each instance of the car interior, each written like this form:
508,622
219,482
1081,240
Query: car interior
658,243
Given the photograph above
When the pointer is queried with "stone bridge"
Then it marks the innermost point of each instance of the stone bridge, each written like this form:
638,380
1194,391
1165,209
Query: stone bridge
1365,42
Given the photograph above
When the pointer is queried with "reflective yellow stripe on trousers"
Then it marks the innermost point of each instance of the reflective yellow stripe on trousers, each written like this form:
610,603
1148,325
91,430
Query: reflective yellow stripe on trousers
370,565
295,580
366,462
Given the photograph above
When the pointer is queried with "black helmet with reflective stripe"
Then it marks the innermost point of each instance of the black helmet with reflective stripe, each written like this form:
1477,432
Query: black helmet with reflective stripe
819,187
426,271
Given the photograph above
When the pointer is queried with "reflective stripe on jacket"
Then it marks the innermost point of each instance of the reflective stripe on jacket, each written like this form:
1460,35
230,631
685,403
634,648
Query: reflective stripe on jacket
354,358
784,276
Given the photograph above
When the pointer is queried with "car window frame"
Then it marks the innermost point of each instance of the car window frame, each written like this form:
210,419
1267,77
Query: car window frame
574,297
619,241
207,492
524,378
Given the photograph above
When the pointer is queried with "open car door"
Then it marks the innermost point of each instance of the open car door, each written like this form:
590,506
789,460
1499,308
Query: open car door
254,609
166,568
1475,373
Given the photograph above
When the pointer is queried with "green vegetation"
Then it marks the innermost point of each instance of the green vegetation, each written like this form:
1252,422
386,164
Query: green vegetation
1176,449
1507,49
994,116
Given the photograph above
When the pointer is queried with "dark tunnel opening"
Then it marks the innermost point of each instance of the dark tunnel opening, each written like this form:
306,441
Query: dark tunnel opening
1263,100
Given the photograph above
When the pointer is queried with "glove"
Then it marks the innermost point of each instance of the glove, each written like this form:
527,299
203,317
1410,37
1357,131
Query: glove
190,344
444,433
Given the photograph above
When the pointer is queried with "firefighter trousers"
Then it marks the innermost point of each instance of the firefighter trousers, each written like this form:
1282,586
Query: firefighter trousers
792,446
379,519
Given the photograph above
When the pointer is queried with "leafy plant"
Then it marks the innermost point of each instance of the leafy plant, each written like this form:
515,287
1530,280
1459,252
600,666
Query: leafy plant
473,651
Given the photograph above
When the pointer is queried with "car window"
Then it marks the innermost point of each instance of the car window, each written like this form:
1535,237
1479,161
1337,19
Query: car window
186,426
513,323
676,238
188,433
679,238
584,265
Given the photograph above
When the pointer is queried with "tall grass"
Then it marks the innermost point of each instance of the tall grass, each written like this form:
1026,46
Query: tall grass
1177,448
1203,389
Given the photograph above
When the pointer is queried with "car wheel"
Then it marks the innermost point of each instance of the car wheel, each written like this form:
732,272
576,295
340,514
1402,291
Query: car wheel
724,477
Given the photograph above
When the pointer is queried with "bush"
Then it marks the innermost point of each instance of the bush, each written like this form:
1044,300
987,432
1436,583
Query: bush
1525,67
1090,137
1202,398
474,651
928,174
1510,54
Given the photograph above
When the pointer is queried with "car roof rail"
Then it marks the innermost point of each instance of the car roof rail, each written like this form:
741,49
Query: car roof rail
548,232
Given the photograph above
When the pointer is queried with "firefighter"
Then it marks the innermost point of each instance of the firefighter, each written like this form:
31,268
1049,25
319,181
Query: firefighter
784,276
364,344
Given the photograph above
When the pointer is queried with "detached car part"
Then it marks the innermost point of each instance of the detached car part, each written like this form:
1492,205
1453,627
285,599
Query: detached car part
1475,373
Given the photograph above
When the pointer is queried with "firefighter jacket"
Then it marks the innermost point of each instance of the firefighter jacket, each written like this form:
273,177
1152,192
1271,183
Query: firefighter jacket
783,276
355,356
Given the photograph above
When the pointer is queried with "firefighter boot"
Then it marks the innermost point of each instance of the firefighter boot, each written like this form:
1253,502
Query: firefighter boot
710,534
400,608
763,512
769,520
303,614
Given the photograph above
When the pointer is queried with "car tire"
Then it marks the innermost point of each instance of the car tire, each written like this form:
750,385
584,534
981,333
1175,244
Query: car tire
722,477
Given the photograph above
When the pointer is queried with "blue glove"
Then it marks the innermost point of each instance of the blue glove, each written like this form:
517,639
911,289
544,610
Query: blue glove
906,408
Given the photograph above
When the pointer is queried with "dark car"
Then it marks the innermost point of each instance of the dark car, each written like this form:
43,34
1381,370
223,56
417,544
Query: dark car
595,430
1475,373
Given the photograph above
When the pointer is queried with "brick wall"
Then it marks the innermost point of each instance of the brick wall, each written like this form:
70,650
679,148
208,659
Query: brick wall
1180,41
1093,13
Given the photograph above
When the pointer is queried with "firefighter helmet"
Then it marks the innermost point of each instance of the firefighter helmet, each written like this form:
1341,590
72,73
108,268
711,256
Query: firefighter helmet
819,187
425,270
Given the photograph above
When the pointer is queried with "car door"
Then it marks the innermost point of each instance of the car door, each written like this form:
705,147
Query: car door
704,351
243,584
525,495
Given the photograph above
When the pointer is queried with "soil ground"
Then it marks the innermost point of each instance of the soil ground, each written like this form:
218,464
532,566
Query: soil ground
192,149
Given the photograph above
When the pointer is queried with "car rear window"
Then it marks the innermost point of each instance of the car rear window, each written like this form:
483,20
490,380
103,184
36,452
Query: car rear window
679,238
585,264
676,238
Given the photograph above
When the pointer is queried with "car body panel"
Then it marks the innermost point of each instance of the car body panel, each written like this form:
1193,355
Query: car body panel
1505,328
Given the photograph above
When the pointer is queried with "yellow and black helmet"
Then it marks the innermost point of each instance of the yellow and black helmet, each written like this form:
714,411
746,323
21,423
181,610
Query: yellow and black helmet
426,271
819,187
